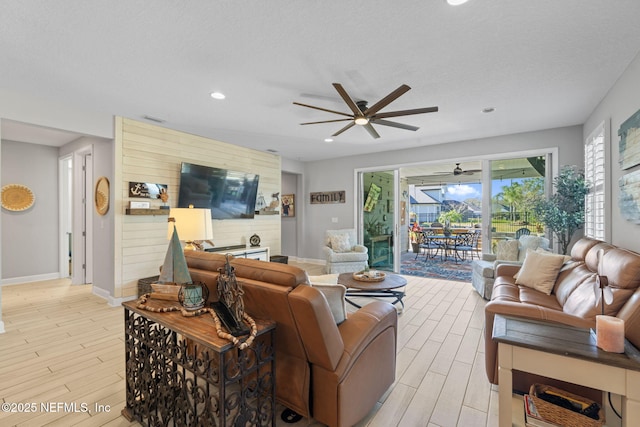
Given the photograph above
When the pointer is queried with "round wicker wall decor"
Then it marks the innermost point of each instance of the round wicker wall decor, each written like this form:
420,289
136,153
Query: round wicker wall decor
17,197
102,195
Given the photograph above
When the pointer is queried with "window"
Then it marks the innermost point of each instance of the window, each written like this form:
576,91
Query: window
594,169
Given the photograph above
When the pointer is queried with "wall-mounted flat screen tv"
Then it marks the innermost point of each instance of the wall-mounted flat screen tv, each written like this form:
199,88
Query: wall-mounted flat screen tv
229,194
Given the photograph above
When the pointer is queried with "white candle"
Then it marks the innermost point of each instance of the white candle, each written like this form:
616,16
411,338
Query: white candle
610,333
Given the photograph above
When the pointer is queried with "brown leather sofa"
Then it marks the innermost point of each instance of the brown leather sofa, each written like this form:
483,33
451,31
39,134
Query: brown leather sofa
332,373
572,301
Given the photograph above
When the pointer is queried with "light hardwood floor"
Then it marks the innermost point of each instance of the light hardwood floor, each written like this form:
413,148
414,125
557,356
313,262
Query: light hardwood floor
65,345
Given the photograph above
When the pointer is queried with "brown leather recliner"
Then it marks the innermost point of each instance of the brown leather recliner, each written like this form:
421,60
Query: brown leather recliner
572,301
334,374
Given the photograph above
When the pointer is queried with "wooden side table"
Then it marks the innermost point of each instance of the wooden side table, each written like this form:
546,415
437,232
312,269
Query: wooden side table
567,354
179,372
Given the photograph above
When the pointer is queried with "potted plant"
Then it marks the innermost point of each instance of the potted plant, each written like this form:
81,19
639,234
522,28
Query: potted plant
415,235
447,218
563,212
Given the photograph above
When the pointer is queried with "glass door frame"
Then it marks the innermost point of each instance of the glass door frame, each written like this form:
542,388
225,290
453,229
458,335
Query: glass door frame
551,171
551,154
360,190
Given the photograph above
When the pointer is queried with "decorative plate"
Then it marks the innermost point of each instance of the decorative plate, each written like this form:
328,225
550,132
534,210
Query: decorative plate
369,276
254,240
102,195
16,197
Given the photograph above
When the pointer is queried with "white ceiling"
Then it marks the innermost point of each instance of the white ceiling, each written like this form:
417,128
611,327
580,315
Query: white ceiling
541,64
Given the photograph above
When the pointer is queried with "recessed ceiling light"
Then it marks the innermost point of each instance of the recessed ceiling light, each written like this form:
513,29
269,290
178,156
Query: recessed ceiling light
488,110
456,2
328,140
218,95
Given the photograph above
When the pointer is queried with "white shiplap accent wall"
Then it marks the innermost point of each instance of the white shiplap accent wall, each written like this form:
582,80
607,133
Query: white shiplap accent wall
149,153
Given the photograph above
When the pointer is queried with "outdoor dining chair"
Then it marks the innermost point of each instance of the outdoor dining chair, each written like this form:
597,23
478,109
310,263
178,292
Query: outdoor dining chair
463,245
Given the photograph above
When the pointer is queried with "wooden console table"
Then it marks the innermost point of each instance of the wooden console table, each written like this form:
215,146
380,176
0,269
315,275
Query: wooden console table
179,372
567,354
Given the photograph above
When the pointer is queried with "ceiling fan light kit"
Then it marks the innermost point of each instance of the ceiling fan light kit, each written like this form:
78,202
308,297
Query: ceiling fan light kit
366,116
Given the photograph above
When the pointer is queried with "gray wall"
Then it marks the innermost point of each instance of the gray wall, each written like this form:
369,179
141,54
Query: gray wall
30,238
338,174
622,101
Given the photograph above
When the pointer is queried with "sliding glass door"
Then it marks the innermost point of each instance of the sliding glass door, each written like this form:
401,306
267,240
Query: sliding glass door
378,217
516,185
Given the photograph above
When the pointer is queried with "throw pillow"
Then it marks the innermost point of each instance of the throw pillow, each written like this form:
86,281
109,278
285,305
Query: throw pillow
507,250
335,296
340,243
539,271
566,258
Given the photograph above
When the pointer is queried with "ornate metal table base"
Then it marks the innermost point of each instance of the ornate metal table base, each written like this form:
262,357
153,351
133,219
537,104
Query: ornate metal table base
177,379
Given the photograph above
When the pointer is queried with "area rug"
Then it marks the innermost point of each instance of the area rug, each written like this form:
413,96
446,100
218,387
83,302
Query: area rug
435,267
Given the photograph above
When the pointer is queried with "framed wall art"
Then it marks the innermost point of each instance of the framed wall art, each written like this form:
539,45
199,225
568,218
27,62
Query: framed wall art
327,197
629,201
288,205
372,197
629,134
147,190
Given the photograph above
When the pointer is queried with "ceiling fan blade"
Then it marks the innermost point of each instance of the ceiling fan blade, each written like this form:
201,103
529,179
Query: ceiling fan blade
371,131
405,112
608,295
347,99
323,109
394,124
386,100
349,126
327,121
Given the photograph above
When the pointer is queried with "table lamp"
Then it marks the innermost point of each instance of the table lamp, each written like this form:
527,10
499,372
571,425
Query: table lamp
191,224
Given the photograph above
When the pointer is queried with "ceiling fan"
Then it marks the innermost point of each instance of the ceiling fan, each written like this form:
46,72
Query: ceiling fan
365,116
459,171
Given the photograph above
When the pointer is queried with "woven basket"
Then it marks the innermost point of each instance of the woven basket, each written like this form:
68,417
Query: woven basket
562,416
363,276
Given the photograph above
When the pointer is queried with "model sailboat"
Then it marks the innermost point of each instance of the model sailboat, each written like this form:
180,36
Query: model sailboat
174,268
174,275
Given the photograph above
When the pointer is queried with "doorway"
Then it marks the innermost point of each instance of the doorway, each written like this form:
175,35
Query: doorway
378,217
76,216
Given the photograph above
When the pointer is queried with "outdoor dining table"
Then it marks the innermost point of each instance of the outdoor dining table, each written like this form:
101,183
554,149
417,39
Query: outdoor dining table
446,243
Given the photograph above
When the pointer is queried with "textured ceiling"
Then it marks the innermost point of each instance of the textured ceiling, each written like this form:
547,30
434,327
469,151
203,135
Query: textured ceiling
541,64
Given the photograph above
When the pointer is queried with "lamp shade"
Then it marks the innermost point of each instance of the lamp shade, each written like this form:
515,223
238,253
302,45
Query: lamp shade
191,224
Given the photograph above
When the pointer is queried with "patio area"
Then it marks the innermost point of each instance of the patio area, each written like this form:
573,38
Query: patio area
435,268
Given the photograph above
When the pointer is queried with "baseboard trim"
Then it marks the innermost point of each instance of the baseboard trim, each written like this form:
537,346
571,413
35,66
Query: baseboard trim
30,279
111,301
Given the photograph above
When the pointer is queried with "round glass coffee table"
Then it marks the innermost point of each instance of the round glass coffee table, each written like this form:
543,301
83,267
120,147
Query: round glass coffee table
387,288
